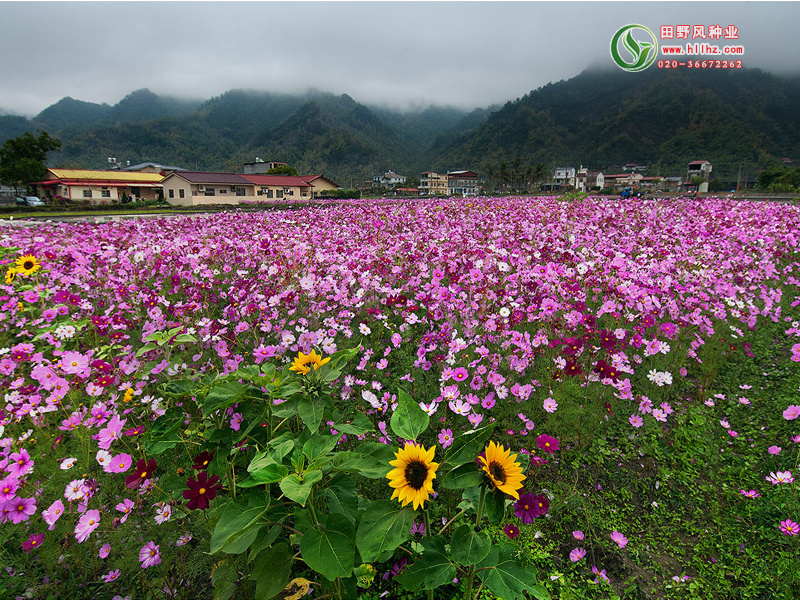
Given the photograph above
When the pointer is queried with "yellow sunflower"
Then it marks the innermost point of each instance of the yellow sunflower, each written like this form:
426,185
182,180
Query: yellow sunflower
302,362
28,265
11,275
412,479
504,473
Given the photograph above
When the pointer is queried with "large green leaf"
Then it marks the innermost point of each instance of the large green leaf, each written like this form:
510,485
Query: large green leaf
469,547
333,368
383,527
165,431
272,569
268,474
504,575
224,581
319,445
495,506
342,496
430,571
223,395
467,446
463,476
237,528
408,421
358,425
311,411
330,549
298,489
370,460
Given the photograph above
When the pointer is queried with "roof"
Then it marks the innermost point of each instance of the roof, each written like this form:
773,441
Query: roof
699,162
279,180
116,176
463,174
201,177
158,166
312,178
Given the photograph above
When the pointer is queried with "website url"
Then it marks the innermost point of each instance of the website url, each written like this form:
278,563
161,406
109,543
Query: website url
702,49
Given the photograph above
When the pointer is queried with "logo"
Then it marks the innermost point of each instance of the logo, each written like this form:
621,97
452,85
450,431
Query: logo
642,50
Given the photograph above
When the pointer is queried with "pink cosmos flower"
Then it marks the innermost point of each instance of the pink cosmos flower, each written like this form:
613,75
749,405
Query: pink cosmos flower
8,488
774,449
149,555
445,437
789,527
73,362
111,576
53,513
20,509
578,535
89,521
577,554
110,432
184,539
619,539
104,550
125,508
550,405
19,464
236,423
750,494
547,443
636,420
791,413
780,477
120,463
75,490
460,374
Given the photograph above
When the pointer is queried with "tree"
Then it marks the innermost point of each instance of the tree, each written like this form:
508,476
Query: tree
283,170
23,159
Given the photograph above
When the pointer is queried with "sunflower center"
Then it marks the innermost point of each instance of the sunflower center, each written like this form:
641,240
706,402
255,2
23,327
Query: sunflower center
497,472
28,265
416,473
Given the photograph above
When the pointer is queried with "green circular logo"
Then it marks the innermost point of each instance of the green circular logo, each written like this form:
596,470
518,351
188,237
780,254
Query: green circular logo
642,51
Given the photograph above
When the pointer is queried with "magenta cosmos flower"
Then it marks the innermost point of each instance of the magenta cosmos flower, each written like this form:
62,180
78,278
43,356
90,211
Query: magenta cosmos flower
149,555
88,522
619,539
20,509
791,413
512,531
526,508
577,554
547,443
34,541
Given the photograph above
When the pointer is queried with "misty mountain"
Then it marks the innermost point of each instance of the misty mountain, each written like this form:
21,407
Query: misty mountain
607,118
602,119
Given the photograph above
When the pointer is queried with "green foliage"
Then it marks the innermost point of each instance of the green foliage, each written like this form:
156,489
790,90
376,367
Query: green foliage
282,170
23,159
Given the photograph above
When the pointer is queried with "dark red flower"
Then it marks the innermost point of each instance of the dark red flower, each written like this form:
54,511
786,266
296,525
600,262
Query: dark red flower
202,491
512,531
144,470
34,541
202,460
543,504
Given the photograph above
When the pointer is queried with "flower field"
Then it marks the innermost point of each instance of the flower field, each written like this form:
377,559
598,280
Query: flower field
471,398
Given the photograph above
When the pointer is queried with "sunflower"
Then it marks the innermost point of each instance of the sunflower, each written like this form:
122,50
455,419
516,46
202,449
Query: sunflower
504,473
11,274
27,265
302,362
412,479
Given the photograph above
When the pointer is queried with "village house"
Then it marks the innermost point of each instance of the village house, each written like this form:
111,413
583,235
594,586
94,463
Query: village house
192,188
699,168
388,180
462,183
99,187
433,184
586,180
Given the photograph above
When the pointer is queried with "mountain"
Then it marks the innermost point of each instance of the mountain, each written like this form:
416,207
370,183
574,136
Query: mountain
605,119
736,118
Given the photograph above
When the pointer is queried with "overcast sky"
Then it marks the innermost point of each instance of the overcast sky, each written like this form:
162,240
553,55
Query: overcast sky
402,54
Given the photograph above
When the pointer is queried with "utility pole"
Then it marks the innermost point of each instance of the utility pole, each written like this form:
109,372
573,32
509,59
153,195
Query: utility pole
739,177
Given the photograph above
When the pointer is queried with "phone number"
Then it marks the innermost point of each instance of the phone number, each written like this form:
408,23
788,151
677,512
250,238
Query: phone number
700,64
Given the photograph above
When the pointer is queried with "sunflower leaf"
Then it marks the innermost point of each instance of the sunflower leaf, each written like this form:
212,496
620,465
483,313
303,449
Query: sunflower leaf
409,421
330,549
463,476
504,576
431,571
273,568
467,446
383,527
469,547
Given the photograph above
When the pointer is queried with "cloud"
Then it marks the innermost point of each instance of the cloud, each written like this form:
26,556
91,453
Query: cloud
466,54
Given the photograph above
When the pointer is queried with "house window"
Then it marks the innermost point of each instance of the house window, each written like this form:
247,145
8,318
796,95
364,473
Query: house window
223,191
87,193
172,193
240,191
181,193
269,193
279,193
105,193
209,191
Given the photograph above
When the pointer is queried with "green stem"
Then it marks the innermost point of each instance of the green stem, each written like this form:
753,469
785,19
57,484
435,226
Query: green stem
471,572
427,532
